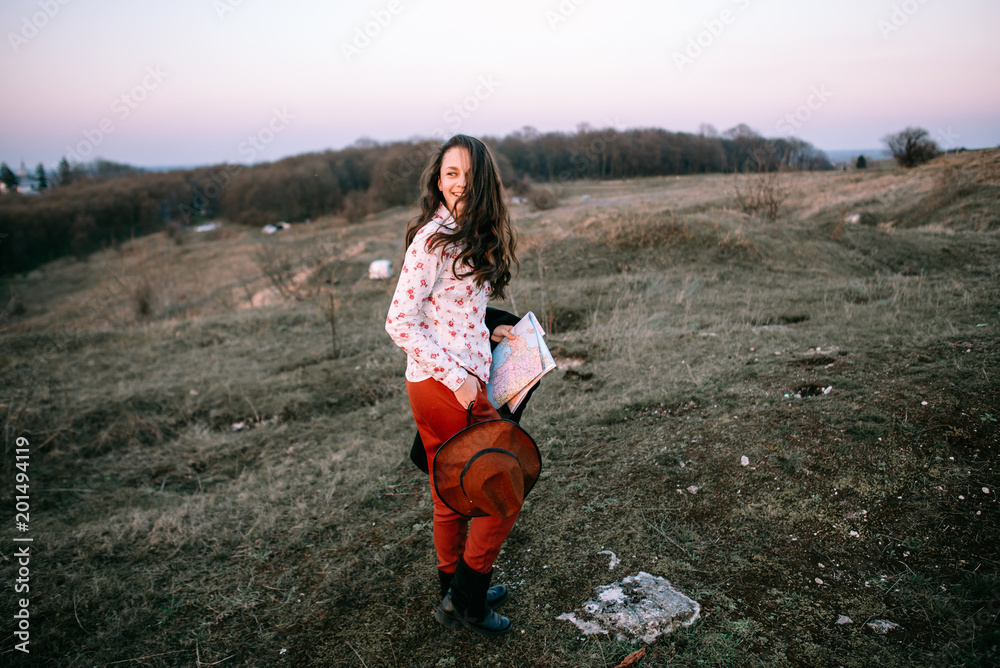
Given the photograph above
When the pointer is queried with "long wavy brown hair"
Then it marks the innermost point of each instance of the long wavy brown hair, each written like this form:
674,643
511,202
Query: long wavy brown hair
483,233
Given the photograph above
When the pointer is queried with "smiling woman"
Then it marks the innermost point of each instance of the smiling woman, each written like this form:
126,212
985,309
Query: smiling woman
459,252
451,182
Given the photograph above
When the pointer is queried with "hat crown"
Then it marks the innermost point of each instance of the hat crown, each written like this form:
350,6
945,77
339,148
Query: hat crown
486,469
493,481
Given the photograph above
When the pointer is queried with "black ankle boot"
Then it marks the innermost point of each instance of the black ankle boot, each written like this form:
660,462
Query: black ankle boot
495,595
465,604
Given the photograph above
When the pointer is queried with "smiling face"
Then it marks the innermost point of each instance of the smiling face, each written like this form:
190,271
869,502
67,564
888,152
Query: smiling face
454,177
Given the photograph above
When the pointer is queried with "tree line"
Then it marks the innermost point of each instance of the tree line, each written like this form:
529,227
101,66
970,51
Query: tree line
86,206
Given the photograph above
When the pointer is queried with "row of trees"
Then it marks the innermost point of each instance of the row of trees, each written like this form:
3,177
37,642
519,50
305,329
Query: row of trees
65,174
104,200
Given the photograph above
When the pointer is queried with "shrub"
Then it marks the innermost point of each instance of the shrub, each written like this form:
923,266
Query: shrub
758,190
912,147
543,197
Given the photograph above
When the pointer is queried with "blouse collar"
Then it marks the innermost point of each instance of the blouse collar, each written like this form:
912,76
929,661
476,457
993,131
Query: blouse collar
445,216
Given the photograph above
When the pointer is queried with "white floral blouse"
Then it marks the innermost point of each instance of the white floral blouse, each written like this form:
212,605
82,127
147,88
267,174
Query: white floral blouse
438,319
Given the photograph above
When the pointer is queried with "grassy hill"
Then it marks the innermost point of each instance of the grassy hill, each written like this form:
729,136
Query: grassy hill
212,484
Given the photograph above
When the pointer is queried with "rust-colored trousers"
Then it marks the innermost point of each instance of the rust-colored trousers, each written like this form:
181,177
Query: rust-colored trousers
439,416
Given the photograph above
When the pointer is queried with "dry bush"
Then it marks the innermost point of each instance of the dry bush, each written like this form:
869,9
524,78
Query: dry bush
15,307
543,197
281,268
143,298
635,231
736,243
949,185
758,190
990,172
176,232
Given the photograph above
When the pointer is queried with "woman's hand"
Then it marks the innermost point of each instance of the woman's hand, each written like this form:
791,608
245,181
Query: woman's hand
500,332
468,392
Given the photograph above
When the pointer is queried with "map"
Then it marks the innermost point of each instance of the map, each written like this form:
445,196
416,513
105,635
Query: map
519,364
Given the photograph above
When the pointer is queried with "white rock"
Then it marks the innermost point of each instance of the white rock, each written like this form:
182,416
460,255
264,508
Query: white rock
640,607
693,489
379,269
883,626
744,461
844,619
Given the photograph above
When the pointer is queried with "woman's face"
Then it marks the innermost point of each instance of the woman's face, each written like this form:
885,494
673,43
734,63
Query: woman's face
454,177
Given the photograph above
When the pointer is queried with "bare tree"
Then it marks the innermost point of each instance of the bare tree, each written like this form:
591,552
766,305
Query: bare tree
279,266
760,188
329,302
911,147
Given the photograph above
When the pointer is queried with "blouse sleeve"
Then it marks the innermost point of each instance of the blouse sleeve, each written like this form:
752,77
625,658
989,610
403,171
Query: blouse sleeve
405,323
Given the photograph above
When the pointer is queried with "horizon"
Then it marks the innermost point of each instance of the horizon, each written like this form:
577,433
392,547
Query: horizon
835,156
259,82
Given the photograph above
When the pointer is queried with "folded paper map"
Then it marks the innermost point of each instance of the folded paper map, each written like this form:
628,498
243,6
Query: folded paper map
519,364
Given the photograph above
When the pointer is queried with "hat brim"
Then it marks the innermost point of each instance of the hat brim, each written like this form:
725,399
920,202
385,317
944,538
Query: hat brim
452,456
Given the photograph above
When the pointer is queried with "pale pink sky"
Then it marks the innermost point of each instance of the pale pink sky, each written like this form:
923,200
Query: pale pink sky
201,77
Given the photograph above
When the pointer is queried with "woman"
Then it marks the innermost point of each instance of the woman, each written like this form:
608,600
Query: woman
459,254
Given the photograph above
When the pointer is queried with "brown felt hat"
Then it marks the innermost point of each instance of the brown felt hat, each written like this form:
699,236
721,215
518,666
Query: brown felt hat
487,469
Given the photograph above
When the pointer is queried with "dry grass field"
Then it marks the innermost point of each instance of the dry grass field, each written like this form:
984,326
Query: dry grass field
212,485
